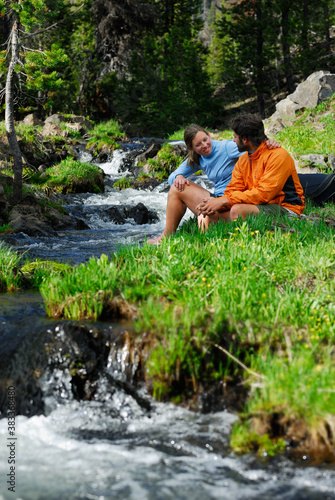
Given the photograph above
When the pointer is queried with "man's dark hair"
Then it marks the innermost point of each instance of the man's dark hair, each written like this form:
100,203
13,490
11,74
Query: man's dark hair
249,127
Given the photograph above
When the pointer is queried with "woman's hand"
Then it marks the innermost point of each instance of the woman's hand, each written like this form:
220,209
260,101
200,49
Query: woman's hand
180,182
272,144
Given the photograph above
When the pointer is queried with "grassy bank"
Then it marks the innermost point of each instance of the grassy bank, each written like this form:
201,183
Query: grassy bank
247,301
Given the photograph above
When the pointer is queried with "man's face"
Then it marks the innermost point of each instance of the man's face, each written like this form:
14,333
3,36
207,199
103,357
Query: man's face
239,143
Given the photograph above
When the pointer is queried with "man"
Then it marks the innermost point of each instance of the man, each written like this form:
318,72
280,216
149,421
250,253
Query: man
263,180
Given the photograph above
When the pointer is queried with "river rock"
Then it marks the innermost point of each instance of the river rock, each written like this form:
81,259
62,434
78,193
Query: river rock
66,361
32,218
139,213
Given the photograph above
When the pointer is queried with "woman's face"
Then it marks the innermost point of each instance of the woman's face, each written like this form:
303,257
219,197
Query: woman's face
202,144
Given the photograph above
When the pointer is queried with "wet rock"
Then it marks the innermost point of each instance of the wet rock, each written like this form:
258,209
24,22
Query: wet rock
29,217
150,152
65,361
139,213
142,215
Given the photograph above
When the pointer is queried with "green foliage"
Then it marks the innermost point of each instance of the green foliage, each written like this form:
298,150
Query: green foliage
67,175
36,272
4,228
167,86
123,183
104,136
244,441
81,293
165,162
41,59
10,279
312,132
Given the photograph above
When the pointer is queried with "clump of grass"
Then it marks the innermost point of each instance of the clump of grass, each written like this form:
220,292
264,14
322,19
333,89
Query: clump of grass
38,271
80,294
165,162
4,228
123,183
104,136
10,278
70,176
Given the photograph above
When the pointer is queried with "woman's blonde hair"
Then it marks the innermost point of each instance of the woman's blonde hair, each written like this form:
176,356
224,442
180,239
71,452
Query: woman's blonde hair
189,134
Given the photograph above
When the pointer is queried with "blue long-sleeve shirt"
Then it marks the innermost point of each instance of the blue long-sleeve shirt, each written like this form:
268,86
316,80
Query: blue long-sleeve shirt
218,166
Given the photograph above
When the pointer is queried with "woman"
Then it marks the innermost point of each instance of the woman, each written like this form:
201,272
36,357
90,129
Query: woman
215,158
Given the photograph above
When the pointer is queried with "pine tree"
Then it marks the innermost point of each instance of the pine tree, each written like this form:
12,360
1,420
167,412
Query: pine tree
28,65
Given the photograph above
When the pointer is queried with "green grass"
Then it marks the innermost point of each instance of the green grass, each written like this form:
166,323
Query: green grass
245,286
104,136
82,293
67,175
123,183
9,265
302,137
165,162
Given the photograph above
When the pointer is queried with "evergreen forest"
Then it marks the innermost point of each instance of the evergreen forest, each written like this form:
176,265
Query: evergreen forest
157,65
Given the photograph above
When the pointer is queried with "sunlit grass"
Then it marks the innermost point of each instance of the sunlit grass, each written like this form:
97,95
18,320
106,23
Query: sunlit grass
104,135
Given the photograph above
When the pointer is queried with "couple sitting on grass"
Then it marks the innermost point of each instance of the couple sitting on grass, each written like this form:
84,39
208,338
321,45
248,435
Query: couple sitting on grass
250,174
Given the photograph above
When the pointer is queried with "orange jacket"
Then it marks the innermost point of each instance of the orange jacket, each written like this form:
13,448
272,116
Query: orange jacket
266,176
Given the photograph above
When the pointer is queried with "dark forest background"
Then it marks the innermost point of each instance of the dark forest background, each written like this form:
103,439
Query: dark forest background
158,65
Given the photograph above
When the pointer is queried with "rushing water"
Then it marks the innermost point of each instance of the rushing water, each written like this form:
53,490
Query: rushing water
117,449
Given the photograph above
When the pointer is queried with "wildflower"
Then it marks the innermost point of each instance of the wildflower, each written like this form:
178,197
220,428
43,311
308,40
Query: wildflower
204,279
218,266
245,269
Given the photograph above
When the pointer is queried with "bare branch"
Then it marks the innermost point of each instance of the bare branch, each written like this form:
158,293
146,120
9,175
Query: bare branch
33,50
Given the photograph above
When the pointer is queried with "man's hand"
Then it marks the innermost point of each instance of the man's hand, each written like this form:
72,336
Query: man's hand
180,182
272,144
209,206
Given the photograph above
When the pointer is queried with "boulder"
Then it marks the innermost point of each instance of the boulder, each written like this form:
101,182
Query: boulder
139,213
30,218
53,128
56,118
32,120
318,87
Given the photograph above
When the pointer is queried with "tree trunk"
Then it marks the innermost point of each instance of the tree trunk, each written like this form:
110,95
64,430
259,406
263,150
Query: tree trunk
9,116
286,46
260,61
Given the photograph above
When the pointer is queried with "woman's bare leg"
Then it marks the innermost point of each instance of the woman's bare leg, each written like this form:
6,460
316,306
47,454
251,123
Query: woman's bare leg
177,203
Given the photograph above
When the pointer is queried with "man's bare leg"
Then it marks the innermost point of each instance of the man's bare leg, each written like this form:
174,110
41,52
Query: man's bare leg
239,210
177,203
